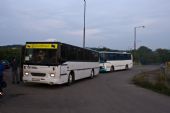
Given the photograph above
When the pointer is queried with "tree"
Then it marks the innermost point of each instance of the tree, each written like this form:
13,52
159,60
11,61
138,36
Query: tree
164,55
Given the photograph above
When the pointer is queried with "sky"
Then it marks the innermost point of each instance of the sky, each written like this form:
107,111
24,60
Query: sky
109,23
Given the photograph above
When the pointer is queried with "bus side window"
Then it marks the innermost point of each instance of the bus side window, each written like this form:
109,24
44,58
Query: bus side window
64,54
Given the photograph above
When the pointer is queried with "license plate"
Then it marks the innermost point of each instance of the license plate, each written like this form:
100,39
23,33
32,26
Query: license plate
35,79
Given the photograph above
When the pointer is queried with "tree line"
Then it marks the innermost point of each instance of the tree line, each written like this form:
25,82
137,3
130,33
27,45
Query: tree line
145,55
11,51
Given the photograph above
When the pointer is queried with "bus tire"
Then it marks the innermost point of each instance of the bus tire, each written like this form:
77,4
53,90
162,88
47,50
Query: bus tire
112,68
92,74
70,79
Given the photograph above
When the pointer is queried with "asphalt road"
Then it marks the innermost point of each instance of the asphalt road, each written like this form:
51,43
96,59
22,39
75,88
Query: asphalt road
106,93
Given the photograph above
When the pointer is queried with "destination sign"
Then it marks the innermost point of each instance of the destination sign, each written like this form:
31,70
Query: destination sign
41,46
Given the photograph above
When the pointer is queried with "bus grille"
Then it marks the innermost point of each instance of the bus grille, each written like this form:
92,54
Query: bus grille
38,74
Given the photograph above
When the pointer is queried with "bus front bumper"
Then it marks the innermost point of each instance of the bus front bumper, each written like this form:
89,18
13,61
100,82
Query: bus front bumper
50,81
102,70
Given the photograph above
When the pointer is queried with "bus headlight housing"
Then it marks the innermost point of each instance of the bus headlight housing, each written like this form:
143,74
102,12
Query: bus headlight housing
52,74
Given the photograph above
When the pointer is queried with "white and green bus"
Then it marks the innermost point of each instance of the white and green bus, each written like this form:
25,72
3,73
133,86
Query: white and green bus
111,61
58,63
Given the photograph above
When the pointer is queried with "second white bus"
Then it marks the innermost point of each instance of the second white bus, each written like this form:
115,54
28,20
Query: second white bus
111,61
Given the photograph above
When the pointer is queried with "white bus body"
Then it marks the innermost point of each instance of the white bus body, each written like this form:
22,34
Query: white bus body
111,61
65,63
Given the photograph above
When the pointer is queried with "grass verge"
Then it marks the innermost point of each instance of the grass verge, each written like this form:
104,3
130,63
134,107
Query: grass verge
153,81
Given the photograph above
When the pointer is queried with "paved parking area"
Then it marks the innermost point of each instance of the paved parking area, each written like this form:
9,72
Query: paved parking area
106,93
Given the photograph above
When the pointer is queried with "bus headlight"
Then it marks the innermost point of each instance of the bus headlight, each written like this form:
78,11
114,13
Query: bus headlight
52,74
26,73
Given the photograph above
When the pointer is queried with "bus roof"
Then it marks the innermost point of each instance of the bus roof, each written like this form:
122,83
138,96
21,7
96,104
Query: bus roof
114,52
55,42
41,42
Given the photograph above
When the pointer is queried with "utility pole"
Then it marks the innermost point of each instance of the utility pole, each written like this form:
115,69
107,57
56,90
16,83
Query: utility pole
135,28
84,29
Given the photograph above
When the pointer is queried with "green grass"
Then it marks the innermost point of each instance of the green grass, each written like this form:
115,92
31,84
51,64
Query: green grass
160,84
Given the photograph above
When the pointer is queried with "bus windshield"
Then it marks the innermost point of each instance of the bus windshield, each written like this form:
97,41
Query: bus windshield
40,57
102,58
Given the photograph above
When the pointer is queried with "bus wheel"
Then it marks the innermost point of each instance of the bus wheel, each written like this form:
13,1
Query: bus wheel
92,74
70,79
112,69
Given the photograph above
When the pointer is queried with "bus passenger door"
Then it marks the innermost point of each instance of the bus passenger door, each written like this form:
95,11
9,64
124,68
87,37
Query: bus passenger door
64,73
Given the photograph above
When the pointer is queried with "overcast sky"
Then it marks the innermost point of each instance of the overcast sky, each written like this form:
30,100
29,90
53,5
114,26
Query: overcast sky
109,23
